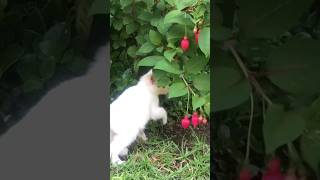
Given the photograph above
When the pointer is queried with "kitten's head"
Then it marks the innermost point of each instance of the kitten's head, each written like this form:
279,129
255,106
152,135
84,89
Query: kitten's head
149,80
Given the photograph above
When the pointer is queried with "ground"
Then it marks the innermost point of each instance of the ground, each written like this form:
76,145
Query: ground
170,153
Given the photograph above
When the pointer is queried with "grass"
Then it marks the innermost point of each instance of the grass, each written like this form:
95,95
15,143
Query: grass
164,157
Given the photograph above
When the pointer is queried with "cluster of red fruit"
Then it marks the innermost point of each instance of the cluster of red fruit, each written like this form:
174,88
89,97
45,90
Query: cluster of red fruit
273,172
195,119
184,44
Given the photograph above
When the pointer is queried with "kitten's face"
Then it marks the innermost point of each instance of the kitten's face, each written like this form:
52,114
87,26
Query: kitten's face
149,79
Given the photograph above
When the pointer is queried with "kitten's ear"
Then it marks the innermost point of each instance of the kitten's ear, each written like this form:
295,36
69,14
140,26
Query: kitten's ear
152,80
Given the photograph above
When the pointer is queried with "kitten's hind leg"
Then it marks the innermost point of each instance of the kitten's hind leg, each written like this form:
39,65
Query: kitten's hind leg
159,113
119,143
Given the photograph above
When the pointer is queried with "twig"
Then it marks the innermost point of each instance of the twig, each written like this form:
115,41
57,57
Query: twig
245,72
185,82
249,130
188,102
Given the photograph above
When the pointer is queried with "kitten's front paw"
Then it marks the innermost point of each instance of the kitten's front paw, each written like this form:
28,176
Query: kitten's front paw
144,138
124,152
117,161
164,120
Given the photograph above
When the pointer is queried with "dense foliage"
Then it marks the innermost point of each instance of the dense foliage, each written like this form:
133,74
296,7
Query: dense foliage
266,86
38,41
148,33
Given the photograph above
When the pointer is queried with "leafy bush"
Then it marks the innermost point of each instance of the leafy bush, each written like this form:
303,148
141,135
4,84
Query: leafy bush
41,43
148,33
266,85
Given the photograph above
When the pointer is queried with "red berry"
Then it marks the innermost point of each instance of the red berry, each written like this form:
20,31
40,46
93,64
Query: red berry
200,119
185,122
272,176
195,119
274,166
245,174
205,121
184,43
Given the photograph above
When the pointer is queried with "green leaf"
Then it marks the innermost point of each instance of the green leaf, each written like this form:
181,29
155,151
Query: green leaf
197,102
169,54
160,49
195,64
310,148
131,28
155,20
140,39
47,67
117,25
171,2
175,33
204,41
161,5
56,40
267,19
177,16
294,66
155,37
127,20
202,82
168,67
146,48
149,3
177,89
125,3
150,60
145,16
230,88
132,51
185,3
162,27
31,85
281,127
161,77
27,68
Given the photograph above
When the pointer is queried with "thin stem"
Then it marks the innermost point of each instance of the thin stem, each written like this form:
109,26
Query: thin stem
188,102
185,26
185,82
245,72
133,8
249,130
263,110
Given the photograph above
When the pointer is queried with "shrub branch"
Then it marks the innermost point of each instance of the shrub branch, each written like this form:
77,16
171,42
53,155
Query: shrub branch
250,128
251,79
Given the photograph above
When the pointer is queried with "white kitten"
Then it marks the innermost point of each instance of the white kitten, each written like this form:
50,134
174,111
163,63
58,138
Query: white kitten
130,113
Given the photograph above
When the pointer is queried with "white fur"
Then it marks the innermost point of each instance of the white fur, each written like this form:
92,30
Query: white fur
130,113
